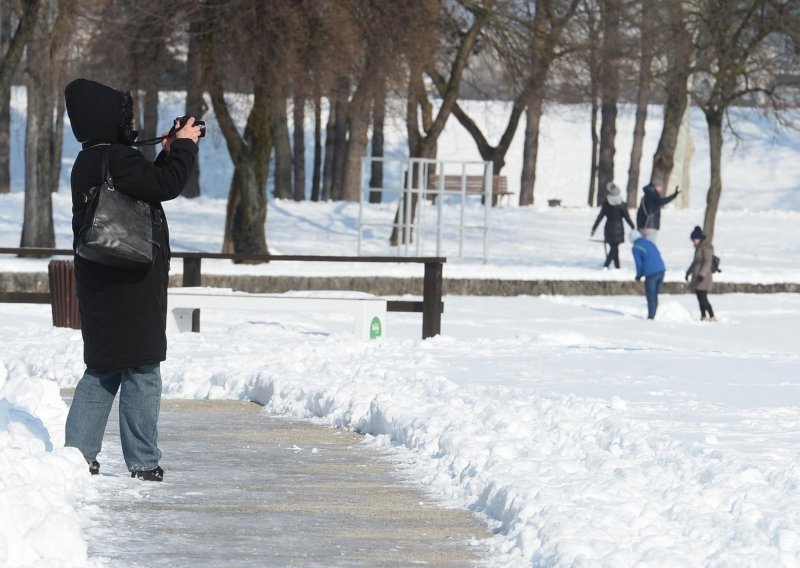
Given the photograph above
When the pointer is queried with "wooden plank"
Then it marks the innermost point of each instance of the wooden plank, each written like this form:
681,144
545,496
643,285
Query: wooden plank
406,306
24,298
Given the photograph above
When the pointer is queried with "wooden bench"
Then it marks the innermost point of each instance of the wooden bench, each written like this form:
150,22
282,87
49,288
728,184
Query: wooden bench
472,185
369,312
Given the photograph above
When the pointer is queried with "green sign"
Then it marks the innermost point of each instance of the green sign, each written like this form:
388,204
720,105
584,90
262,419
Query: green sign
375,328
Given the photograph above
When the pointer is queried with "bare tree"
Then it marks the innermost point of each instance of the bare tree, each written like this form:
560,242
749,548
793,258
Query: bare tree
549,21
268,24
47,51
643,90
380,34
282,147
316,176
422,142
378,120
736,46
610,14
12,45
679,69
581,72
299,146
20,38
195,101
5,103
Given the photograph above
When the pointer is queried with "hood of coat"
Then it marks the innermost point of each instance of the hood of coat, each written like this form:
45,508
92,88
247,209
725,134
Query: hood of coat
98,113
650,189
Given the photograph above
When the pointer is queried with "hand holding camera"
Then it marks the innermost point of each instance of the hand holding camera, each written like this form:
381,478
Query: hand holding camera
184,127
188,127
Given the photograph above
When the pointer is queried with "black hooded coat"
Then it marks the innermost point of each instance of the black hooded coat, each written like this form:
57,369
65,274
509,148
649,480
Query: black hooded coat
123,312
648,216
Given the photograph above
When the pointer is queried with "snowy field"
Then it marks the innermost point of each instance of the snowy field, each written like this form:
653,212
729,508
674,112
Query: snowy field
583,434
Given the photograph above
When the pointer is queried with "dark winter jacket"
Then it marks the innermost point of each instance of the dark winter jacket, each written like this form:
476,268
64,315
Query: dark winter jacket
123,312
649,214
700,269
647,257
614,232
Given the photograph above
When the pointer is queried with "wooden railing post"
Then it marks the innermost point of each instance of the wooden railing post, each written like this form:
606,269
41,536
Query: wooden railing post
432,300
191,271
192,277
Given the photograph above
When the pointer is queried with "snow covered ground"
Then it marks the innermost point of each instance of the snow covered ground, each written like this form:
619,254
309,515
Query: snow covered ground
582,433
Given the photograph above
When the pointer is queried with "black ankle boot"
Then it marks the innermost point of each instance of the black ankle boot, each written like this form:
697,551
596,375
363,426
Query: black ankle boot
94,467
156,474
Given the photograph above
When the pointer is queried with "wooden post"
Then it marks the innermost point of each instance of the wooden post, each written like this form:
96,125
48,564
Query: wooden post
432,300
192,277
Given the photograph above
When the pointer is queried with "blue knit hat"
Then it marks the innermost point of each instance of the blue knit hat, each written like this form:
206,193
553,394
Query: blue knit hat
697,234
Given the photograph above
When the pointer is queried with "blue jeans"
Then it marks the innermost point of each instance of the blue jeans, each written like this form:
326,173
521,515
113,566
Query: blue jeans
652,286
139,405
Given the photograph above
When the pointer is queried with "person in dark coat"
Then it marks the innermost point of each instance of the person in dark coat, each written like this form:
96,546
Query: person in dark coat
615,211
648,216
123,311
650,265
701,273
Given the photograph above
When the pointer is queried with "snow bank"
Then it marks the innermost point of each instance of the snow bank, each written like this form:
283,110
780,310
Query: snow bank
565,480
40,480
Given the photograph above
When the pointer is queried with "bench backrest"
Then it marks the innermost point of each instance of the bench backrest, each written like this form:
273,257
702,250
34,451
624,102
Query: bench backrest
472,184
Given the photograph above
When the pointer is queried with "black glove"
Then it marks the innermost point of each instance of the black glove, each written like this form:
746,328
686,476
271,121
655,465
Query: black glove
699,278
638,278
686,277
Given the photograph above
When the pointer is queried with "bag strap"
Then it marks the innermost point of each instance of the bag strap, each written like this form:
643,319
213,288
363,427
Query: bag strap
106,172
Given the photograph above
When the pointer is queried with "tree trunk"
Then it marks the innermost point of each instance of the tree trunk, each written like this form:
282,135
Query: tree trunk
5,137
245,230
358,126
195,102
5,103
247,201
609,96
37,226
594,90
149,118
330,148
676,92
247,209
684,149
376,164
299,116
283,149
12,55
57,142
714,122
530,150
642,99
316,175
340,139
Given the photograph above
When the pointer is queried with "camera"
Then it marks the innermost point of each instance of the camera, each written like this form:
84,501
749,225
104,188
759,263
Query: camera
181,120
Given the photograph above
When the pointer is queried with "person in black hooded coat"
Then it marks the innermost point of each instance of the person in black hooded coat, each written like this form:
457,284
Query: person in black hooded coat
123,311
615,211
648,216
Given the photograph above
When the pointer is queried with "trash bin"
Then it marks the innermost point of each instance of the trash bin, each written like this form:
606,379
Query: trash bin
63,297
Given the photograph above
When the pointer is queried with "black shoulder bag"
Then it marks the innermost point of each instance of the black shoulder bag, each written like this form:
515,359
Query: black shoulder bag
118,230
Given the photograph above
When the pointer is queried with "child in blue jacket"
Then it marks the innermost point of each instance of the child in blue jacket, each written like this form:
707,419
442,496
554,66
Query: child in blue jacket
650,265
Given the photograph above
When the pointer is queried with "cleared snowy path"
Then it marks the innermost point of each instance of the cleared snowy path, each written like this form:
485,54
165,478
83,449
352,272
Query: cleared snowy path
245,489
